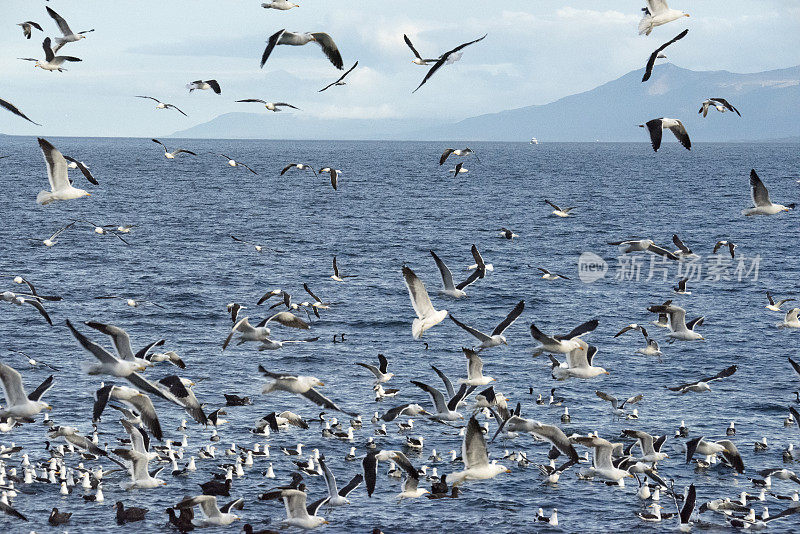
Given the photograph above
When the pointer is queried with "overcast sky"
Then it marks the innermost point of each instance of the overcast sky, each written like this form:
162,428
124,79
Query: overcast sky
536,51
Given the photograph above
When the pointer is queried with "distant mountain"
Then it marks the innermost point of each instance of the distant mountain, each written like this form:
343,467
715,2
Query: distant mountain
610,112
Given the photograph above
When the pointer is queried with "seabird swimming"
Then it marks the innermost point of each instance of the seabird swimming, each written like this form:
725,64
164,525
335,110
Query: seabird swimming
162,105
340,81
204,86
325,41
652,60
761,201
657,13
496,338
657,126
444,59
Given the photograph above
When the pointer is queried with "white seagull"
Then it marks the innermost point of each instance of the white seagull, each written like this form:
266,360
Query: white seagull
657,126
427,315
475,456
69,35
496,338
171,155
761,202
558,212
272,106
679,328
51,61
18,403
281,5
657,13
204,85
60,186
325,41
162,105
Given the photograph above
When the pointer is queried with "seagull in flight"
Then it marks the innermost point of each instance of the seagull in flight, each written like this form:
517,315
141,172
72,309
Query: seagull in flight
27,26
642,245
720,104
762,205
162,105
69,35
340,81
559,212
233,163
444,59
171,155
427,315
496,338
51,61
703,384
300,166
325,41
272,106
657,126
648,70
657,13
204,86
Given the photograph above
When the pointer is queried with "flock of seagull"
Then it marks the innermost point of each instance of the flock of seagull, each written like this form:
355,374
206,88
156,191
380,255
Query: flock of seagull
128,388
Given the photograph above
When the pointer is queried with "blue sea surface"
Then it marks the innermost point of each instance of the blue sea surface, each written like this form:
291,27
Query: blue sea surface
394,204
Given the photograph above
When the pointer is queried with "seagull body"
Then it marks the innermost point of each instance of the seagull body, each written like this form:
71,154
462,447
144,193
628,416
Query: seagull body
60,186
657,126
163,105
51,61
762,205
547,275
427,315
445,410
683,251
337,497
233,163
334,176
410,486
140,476
171,155
447,57
325,41
204,86
298,385
340,81
712,448
300,166
475,456
381,372
450,289
658,13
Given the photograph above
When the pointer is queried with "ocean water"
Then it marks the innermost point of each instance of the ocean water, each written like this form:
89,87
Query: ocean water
394,204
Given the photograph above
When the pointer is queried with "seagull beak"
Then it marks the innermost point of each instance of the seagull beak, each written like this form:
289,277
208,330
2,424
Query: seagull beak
325,522
88,194
321,383
607,373
508,470
48,407
685,14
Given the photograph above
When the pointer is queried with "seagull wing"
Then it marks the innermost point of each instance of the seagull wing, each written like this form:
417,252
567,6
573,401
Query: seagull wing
13,109
476,274
447,276
37,393
120,338
329,47
473,449
84,170
12,385
728,371
317,398
680,134
656,131
759,190
477,333
176,108
678,243
727,105
271,42
447,384
214,86
436,396
419,296
510,318
580,330
62,24
353,484
411,46
445,155
97,351
652,60
56,165
655,249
